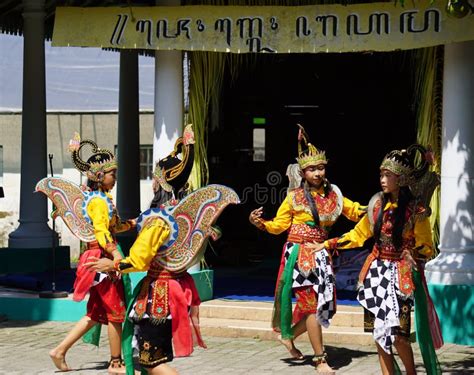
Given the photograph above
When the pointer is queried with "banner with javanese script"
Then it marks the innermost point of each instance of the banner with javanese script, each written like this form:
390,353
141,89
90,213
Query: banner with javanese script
272,29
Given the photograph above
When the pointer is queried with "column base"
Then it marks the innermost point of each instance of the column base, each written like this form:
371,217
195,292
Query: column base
33,259
454,305
32,236
451,267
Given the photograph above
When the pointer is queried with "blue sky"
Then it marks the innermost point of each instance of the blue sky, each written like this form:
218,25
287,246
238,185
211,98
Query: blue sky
77,79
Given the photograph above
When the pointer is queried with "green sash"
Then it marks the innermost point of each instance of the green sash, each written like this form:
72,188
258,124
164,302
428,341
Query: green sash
283,304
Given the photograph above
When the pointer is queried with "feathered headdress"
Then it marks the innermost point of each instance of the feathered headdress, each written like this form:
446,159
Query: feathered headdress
100,162
308,154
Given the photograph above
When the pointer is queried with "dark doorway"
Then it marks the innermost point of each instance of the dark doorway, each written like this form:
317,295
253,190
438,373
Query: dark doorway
356,107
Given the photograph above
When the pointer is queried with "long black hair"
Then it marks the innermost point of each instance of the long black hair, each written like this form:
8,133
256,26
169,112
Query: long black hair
93,185
312,204
161,197
404,198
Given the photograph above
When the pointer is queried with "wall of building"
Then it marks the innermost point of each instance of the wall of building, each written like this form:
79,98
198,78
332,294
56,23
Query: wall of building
101,127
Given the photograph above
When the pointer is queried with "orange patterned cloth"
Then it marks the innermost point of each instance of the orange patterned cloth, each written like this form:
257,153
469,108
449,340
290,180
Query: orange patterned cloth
306,303
301,233
306,260
405,278
327,205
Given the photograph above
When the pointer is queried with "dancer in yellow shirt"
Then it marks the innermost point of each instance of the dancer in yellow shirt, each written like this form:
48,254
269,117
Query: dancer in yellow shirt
308,213
392,280
106,303
164,315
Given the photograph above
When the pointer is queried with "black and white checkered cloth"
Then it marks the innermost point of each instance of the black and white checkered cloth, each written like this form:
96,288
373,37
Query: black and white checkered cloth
321,279
378,294
99,277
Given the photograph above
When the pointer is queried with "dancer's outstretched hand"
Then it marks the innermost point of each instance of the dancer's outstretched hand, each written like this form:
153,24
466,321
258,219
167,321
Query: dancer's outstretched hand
406,255
255,215
315,246
99,264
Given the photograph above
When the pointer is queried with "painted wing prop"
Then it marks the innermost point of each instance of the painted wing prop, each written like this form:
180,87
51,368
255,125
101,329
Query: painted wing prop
191,224
68,198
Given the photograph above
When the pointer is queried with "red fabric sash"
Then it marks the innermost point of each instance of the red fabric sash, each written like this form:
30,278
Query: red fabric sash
84,277
435,327
185,328
282,267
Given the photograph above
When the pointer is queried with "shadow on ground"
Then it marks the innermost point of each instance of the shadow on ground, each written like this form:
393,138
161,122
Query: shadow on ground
337,357
92,366
18,323
460,366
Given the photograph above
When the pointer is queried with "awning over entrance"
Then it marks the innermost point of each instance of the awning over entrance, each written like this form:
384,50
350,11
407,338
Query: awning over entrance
273,29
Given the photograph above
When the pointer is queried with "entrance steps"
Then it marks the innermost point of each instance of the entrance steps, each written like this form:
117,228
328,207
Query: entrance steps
223,318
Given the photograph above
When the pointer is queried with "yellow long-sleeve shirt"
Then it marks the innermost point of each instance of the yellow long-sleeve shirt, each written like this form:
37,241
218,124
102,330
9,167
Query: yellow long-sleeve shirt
149,240
99,212
289,214
356,237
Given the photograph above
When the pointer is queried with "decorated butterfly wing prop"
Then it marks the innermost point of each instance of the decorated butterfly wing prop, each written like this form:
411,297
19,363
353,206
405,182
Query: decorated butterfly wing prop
423,181
68,199
190,222
424,188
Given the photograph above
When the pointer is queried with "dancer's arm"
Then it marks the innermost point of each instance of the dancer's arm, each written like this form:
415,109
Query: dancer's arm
98,211
424,247
150,239
354,211
354,238
278,224
148,242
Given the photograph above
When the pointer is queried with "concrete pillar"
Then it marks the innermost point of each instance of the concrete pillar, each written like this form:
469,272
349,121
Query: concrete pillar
169,108
128,174
169,100
451,273
33,231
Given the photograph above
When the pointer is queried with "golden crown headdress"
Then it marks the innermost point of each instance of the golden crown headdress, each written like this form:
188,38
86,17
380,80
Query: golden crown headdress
402,163
308,154
100,162
414,172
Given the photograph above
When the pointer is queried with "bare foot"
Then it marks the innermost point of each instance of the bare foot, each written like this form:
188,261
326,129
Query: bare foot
290,346
324,369
59,360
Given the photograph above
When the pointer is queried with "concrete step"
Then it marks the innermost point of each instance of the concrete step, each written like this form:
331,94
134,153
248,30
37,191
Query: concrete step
346,316
256,329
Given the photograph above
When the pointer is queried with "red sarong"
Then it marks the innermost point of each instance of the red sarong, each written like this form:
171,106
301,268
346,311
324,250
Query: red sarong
106,299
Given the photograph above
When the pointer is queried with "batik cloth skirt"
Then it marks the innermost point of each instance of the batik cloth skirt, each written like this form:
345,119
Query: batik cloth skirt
309,276
388,309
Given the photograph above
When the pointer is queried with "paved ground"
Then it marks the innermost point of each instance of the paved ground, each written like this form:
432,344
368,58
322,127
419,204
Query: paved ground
24,349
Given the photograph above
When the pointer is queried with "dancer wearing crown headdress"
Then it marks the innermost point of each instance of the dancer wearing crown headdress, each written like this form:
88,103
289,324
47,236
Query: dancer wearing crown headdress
163,318
308,212
106,303
392,278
